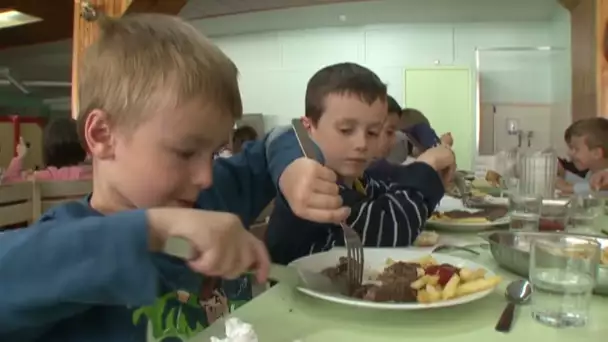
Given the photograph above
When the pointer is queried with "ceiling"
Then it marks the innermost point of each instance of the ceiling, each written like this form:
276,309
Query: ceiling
52,61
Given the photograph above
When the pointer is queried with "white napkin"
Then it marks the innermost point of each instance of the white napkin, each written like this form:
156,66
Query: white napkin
237,331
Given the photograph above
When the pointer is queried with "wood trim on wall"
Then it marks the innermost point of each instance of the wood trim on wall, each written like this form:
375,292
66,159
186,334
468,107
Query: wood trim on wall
86,32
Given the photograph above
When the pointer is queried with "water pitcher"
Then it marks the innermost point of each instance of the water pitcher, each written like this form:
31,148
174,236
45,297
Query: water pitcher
537,173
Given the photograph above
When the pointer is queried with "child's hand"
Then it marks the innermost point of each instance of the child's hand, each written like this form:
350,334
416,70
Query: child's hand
564,187
447,139
21,148
222,247
599,181
311,191
439,158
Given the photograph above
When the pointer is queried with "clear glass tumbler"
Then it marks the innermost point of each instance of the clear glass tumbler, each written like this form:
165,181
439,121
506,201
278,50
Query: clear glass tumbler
524,211
584,213
563,272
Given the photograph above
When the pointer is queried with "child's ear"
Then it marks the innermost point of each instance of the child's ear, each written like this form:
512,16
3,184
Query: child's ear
598,153
306,122
99,135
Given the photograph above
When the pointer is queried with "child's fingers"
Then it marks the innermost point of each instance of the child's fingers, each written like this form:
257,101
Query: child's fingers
208,262
325,187
326,174
261,260
325,215
327,202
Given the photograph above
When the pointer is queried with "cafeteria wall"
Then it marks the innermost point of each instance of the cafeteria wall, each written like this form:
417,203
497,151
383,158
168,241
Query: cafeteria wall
275,66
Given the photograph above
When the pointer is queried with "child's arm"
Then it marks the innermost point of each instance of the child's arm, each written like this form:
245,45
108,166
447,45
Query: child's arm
75,258
13,171
246,183
60,266
394,214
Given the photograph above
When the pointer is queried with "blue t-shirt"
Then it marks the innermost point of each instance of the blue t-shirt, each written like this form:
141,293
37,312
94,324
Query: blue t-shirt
78,275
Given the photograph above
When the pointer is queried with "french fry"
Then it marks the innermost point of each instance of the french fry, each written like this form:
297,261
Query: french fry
427,261
419,283
432,280
449,291
477,286
389,262
423,297
434,295
420,272
467,275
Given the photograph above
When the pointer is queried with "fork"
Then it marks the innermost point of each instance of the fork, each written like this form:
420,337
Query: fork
461,185
352,241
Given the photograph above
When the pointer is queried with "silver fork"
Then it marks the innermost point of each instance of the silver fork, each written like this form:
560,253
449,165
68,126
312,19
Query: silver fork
354,247
461,185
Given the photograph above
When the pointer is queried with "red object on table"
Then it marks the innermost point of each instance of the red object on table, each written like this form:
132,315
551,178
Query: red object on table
549,225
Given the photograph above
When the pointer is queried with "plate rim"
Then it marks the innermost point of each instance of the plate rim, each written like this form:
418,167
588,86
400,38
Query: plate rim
353,302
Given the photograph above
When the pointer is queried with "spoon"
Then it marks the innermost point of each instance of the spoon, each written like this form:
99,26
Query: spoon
518,292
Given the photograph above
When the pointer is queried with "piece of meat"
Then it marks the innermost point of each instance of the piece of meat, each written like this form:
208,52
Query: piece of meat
490,214
395,291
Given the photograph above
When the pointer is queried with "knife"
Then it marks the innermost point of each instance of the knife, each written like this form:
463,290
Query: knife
291,275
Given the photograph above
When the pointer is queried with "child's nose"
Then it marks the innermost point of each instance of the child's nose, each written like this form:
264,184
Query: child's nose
203,178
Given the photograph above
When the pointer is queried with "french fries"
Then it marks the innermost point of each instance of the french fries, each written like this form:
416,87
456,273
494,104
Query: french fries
466,282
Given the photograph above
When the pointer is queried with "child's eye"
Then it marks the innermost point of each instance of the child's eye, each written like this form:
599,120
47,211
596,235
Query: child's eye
373,133
346,131
185,154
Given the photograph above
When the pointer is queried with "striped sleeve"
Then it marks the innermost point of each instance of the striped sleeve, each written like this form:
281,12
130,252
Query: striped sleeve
393,214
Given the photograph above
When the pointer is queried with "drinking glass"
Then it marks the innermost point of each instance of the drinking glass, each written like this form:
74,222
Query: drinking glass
524,211
563,273
584,212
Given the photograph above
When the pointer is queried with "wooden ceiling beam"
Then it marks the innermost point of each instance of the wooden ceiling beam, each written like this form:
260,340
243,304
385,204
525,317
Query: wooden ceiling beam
156,6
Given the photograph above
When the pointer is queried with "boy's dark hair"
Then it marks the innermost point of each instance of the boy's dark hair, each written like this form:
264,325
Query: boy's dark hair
595,131
393,106
61,145
342,78
411,117
242,135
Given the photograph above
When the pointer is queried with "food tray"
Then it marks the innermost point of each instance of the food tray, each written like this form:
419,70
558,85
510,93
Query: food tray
511,250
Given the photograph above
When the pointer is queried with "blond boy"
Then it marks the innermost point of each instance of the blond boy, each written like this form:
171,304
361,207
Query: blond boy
156,101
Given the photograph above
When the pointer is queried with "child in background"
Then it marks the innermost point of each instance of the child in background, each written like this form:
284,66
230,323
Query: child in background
242,135
380,167
565,165
415,135
157,99
588,148
62,154
345,112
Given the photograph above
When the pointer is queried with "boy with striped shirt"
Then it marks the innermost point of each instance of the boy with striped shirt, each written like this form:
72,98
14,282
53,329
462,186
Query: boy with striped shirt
346,108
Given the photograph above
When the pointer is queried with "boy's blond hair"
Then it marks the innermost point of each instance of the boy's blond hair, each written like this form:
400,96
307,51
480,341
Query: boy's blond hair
149,62
594,130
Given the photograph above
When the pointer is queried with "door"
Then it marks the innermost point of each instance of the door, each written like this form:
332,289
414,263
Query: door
444,96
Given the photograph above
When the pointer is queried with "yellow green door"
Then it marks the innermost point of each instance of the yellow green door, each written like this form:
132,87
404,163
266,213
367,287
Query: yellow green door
444,96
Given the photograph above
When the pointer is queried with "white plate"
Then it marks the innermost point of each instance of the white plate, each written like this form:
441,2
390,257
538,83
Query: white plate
449,203
375,262
456,226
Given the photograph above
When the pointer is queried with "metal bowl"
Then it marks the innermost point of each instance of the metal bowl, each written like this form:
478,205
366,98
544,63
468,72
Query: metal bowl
511,250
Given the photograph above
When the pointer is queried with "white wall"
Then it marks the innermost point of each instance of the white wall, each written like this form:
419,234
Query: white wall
561,78
275,66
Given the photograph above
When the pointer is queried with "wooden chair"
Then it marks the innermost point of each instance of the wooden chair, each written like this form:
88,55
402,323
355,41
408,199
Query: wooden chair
48,194
16,204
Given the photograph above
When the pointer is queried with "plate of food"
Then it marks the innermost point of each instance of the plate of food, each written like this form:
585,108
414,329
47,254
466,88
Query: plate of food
403,279
451,215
